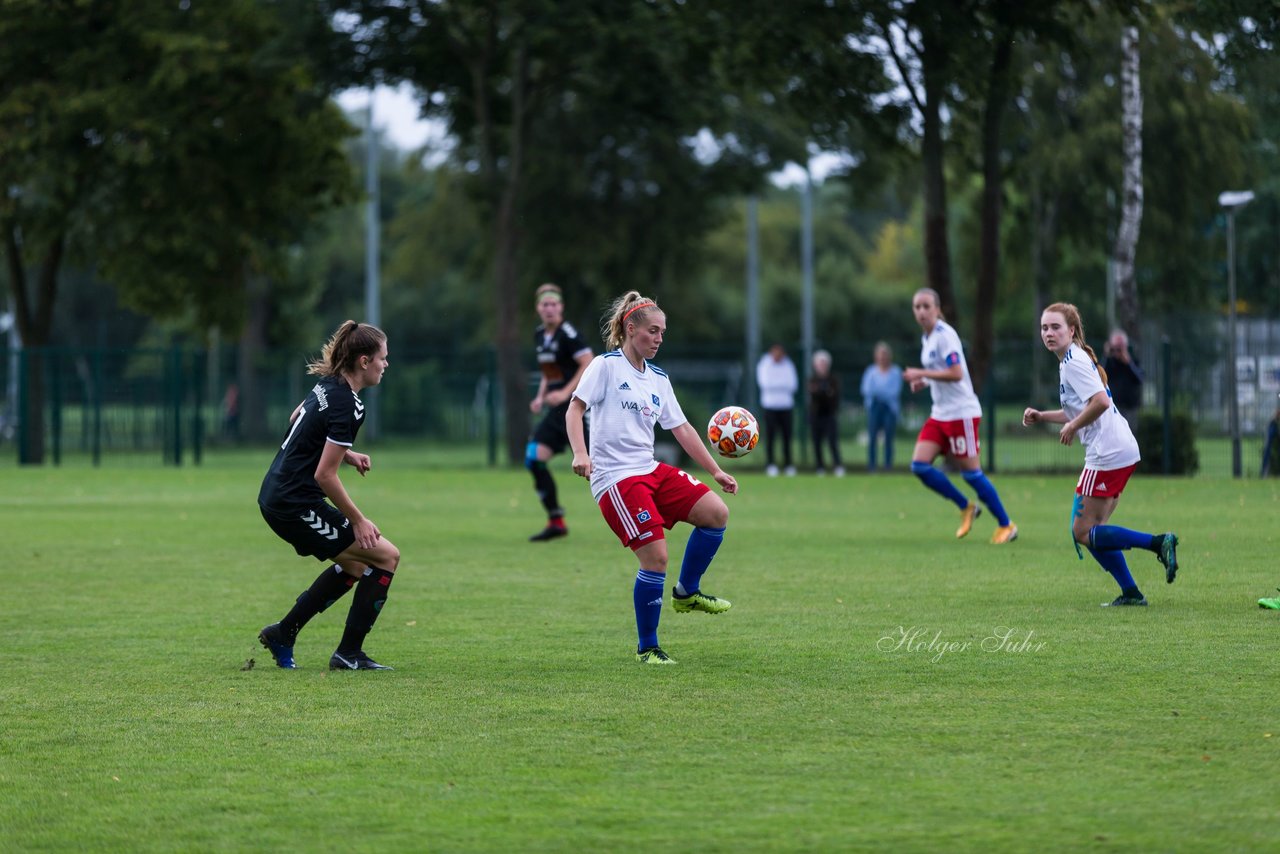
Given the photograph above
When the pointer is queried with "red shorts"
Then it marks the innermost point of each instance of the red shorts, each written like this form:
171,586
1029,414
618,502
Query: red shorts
1104,484
638,508
957,438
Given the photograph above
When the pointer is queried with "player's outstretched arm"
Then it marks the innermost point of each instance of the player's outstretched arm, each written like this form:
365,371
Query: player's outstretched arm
577,438
367,533
1093,410
1033,416
359,462
689,439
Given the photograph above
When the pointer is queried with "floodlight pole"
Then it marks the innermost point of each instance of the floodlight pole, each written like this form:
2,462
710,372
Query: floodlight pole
753,297
372,282
1233,379
806,294
1231,202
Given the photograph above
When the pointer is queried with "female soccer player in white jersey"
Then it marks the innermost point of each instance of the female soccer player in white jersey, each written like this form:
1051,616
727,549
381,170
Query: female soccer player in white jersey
952,427
1110,453
639,496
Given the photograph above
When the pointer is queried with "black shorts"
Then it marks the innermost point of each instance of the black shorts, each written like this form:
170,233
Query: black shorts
551,431
319,531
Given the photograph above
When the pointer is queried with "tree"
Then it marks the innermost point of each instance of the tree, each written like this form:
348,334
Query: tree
1050,26
1067,130
1127,306
925,42
176,147
613,193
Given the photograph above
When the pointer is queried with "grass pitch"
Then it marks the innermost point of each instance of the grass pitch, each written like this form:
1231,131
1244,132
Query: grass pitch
877,685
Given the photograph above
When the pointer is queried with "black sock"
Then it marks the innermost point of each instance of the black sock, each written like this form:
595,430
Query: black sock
1157,543
370,595
545,485
329,587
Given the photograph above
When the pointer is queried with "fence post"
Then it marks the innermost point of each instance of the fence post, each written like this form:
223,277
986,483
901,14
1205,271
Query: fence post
197,420
55,403
1166,393
175,402
493,409
23,425
97,407
989,391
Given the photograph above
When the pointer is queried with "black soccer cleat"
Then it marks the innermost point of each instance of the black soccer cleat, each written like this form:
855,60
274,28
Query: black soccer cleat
354,661
1168,555
272,637
549,533
1122,600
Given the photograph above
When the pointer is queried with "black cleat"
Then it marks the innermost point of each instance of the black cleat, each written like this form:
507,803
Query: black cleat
272,637
549,533
1122,600
354,661
1168,555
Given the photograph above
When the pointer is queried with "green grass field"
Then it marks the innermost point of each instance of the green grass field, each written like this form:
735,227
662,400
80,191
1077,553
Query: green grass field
518,717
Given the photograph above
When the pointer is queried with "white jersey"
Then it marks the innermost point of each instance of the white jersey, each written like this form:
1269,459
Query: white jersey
1108,442
939,350
625,404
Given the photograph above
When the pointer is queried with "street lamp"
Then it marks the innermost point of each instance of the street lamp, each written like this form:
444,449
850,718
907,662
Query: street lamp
1231,201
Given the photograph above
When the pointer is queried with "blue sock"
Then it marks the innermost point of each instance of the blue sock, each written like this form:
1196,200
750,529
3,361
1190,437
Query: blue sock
939,483
702,547
648,601
1114,563
987,494
1113,537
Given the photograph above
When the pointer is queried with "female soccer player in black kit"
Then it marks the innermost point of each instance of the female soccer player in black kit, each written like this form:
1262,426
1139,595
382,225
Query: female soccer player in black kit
304,473
563,355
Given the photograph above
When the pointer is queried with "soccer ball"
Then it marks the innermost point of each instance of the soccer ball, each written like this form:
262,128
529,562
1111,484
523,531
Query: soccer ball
733,431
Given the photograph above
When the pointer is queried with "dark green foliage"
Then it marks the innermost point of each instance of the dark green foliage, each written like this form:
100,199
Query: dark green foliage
173,146
1183,458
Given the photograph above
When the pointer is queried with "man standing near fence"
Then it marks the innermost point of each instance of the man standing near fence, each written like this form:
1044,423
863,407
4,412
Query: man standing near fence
778,382
1125,374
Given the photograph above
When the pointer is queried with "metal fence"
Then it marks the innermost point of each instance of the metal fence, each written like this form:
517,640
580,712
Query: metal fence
181,404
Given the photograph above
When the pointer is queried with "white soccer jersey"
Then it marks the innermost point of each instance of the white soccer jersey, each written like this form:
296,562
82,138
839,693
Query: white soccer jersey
1108,442
939,350
625,404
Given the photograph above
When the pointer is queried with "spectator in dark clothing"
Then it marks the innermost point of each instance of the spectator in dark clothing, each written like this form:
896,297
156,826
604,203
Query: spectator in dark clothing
1124,378
824,411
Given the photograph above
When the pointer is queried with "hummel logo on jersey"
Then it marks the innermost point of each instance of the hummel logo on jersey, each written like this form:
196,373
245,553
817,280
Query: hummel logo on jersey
359,408
624,387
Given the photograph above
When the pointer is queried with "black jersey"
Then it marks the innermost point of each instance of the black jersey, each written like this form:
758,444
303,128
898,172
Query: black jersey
333,413
558,353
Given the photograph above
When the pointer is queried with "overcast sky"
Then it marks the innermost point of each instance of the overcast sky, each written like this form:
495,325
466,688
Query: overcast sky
395,113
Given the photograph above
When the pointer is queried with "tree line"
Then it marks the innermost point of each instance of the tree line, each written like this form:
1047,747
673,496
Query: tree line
187,160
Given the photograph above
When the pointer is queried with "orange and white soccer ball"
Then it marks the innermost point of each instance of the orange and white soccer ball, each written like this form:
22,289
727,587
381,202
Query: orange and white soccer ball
733,431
